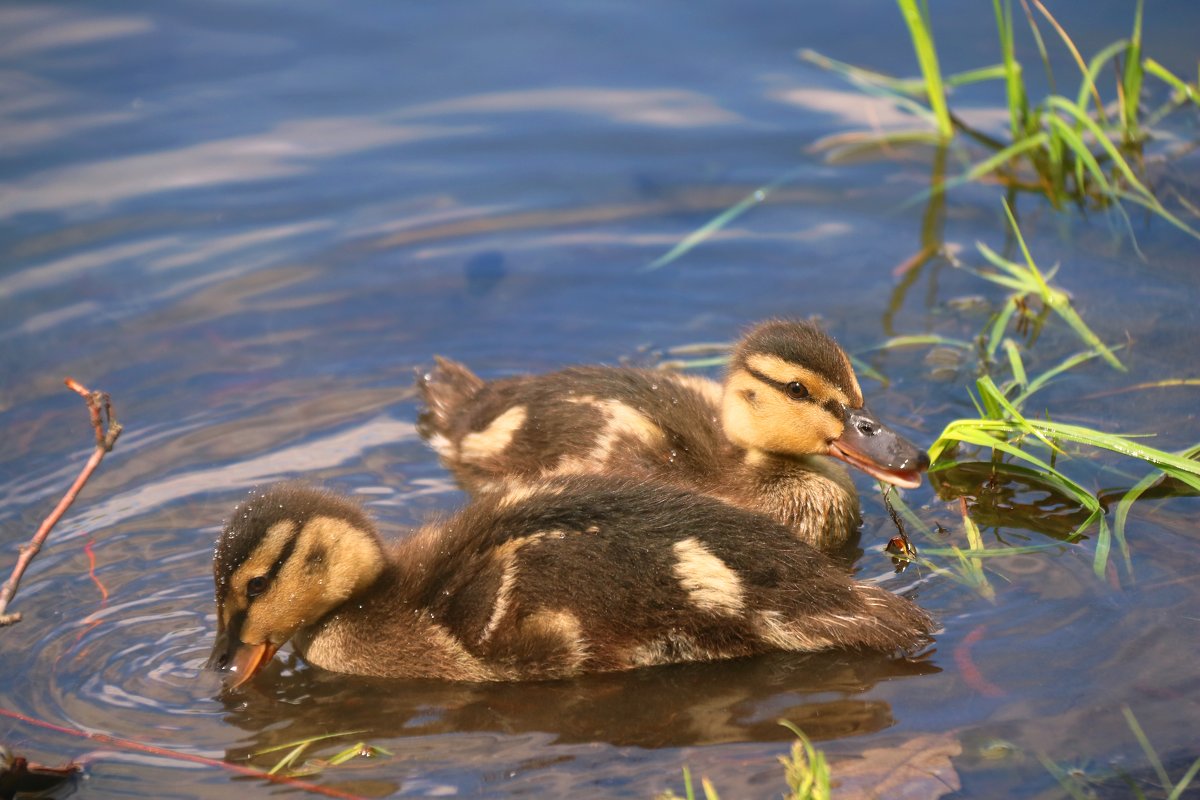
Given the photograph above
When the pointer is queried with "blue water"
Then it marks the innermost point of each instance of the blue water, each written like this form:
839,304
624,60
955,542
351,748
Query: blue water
252,222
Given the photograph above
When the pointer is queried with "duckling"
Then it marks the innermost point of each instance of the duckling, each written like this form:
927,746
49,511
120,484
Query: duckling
790,399
580,574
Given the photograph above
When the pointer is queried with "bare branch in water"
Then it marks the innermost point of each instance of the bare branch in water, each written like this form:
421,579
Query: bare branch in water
107,430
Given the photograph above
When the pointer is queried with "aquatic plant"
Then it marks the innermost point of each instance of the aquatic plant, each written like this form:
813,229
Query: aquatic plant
290,765
1071,149
805,770
1073,781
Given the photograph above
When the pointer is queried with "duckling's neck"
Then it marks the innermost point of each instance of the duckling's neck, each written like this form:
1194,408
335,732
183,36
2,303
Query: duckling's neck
388,633
812,494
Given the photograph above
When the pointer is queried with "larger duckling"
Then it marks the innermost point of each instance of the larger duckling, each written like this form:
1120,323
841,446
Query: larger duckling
577,575
790,399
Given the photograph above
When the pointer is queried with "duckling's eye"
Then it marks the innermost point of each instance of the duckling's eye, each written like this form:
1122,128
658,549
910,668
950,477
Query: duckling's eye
256,586
796,390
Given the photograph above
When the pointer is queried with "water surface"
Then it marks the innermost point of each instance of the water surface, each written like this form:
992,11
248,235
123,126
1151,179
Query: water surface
252,222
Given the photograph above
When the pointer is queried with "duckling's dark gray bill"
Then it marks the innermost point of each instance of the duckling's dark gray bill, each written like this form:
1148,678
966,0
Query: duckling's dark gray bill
876,449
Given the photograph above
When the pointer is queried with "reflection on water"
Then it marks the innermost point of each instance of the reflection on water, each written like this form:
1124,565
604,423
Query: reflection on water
674,707
253,225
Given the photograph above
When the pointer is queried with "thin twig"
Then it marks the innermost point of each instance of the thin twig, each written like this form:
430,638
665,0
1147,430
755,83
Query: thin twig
107,430
142,747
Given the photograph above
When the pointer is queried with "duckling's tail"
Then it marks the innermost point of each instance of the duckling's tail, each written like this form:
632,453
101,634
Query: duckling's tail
890,622
868,617
445,389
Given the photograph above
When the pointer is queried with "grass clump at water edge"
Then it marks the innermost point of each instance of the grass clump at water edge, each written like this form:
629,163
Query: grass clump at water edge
1072,149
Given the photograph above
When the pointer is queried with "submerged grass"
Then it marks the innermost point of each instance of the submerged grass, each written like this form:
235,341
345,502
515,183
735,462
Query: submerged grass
1075,784
805,770
290,764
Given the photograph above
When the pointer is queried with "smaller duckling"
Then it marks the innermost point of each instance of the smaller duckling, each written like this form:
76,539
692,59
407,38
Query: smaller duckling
761,442
578,575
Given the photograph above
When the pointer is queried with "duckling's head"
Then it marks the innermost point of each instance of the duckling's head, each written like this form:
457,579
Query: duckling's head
791,390
289,555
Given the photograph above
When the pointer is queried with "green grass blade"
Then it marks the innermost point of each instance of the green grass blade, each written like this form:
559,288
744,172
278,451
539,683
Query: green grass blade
1041,45
1125,504
1006,155
1163,74
1153,205
999,325
1063,779
917,20
855,74
702,234
1062,34
1083,156
1103,544
867,371
1021,287
987,389
1088,83
1185,781
1000,552
1041,380
1180,468
1029,262
1015,362
1131,81
1062,104
992,73
289,759
1081,329
310,740
1021,273
916,340
1147,748
1014,83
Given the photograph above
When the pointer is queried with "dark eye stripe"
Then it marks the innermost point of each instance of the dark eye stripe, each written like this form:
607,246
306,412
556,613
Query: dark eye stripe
832,406
780,385
835,408
284,555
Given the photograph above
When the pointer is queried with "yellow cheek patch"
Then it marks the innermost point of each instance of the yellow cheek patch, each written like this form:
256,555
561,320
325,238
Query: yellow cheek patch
756,416
330,560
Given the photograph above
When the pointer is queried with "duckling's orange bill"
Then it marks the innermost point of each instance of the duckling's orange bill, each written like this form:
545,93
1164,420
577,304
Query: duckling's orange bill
238,660
869,445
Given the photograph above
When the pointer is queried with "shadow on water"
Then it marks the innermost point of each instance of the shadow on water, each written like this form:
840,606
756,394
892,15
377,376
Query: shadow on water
696,704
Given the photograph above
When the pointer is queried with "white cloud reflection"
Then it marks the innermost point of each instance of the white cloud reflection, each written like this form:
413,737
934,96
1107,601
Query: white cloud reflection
309,456
857,109
658,108
287,149
35,29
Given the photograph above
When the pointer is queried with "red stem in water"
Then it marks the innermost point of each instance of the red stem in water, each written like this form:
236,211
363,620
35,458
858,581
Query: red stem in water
129,744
